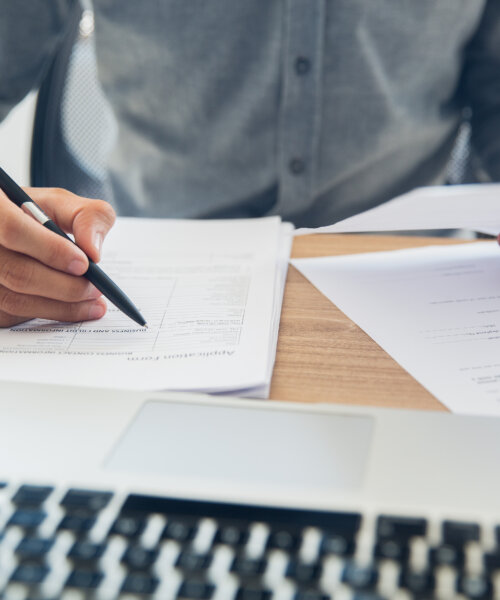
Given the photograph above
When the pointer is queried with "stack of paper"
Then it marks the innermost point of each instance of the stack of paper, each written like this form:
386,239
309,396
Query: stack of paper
435,310
211,292
473,206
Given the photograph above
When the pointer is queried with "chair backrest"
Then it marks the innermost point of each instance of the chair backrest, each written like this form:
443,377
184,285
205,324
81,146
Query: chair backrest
74,127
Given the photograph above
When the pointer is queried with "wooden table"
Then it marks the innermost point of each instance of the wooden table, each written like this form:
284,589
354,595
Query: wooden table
322,356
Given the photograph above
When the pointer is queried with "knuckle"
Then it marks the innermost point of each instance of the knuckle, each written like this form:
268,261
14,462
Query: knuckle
57,193
105,209
77,311
76,290
16,275
9,232
53,252
11,302
9,320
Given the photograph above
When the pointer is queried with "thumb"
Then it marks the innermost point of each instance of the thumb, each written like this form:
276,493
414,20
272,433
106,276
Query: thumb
91,225
88,220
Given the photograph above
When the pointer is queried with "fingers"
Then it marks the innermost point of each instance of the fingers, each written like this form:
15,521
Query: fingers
38,268
30,289
88,220
16,308
25,275
21,233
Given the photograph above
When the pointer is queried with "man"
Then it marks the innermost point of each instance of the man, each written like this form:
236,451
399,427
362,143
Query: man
311,109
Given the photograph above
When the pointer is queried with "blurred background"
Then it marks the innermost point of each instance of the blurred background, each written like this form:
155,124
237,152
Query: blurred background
15,140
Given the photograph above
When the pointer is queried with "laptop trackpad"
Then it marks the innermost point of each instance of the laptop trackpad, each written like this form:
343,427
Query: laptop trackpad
246,446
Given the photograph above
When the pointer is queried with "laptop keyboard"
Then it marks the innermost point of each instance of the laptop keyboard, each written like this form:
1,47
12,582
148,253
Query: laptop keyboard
76,544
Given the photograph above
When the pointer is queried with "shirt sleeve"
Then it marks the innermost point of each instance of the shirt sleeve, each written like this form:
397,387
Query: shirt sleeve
481,86
30,32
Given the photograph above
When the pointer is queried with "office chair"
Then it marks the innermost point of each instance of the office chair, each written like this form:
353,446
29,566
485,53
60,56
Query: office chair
73,126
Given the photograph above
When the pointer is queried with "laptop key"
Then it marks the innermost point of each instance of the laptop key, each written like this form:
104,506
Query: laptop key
139,559
248,567
31,496
392,550
34,548
128,526
342,545
303,573
284,539
475,587
446,555
232,535
400,528
196,589
27,519
368,596
85,501
253,593
492,560
85,579
29,573
456,533
311,594
179,531
360,577
86,552
419,583
139,583
76,523
190,561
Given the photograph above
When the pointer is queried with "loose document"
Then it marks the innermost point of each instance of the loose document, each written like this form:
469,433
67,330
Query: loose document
473,207
435,310
211,292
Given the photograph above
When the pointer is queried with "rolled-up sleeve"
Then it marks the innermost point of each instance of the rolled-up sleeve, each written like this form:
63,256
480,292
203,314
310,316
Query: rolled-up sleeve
30,31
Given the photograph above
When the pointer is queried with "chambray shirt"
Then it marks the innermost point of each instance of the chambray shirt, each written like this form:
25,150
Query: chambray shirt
311,109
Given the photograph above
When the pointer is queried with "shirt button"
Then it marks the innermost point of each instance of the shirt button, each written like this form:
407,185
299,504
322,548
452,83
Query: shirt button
297,166
302,65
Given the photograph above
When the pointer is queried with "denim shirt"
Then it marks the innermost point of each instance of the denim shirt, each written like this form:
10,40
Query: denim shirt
311,109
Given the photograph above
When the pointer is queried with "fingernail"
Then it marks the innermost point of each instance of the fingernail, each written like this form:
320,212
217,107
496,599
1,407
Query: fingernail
77,266
97,310
98,239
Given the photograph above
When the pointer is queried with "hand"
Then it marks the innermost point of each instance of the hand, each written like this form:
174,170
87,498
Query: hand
39,270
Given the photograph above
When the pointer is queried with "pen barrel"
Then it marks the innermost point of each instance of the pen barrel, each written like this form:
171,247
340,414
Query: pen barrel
103,283
12,190
112,292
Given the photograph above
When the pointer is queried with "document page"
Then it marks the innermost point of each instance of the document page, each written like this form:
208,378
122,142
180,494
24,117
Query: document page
435,310
473,207
210,292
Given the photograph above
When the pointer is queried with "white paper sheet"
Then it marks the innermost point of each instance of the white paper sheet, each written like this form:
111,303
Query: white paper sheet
435,310
210,291
475,207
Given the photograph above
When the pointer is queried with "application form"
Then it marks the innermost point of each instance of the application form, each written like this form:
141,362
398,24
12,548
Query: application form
210,291
435,310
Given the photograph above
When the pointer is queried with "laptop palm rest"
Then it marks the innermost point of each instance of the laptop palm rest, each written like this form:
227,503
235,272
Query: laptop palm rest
245,446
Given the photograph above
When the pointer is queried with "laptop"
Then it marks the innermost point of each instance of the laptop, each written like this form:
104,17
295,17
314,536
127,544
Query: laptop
124,494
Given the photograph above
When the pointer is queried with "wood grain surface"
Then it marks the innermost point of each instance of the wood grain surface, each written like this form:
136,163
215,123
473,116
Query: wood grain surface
322,356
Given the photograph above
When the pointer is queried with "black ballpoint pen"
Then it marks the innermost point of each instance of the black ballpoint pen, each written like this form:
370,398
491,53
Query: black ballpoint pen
94,273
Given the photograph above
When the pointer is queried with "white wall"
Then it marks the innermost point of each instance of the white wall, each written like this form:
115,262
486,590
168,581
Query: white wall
15,140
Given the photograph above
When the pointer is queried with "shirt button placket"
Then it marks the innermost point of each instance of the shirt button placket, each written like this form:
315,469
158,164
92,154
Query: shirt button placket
302,65
300,104
296,166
